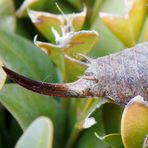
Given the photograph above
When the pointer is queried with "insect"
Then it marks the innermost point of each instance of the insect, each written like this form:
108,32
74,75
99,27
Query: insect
120,76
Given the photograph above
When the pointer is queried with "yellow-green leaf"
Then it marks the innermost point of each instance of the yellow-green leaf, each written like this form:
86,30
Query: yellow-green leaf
108,43
81,42
38,135
78,19
75,42
134,124
68,46
54,52
127,27
45,20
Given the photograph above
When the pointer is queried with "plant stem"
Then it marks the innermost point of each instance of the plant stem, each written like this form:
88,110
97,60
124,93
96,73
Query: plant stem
76,131
96,10
73,137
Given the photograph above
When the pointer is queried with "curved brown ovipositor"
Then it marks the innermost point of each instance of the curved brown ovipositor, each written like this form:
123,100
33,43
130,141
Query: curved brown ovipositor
76,89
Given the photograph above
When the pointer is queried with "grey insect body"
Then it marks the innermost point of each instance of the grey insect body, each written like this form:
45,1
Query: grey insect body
120,76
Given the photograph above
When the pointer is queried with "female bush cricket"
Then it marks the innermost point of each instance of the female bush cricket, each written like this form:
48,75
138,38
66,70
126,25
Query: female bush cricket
119,76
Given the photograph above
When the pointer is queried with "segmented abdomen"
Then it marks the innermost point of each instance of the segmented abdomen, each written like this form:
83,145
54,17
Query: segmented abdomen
123,75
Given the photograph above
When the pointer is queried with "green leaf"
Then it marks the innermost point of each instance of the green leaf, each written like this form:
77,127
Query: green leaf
134,127
83,109
38,135
26,106
89,107
112,114
76,3
101,129
113,140
7,16
14,131
127,27
64,63
71,44
81,116
54,53
68,46
43,21
108,42
81,42
88,137
73,69
23,57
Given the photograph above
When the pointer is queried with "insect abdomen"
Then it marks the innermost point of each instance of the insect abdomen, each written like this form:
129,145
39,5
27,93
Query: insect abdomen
123,75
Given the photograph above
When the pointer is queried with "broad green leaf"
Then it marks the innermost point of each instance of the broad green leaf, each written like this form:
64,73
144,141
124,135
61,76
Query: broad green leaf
113,140
22,56
2,76
7,15
38,135
26,106
32,4
134,127
127,27
45,20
